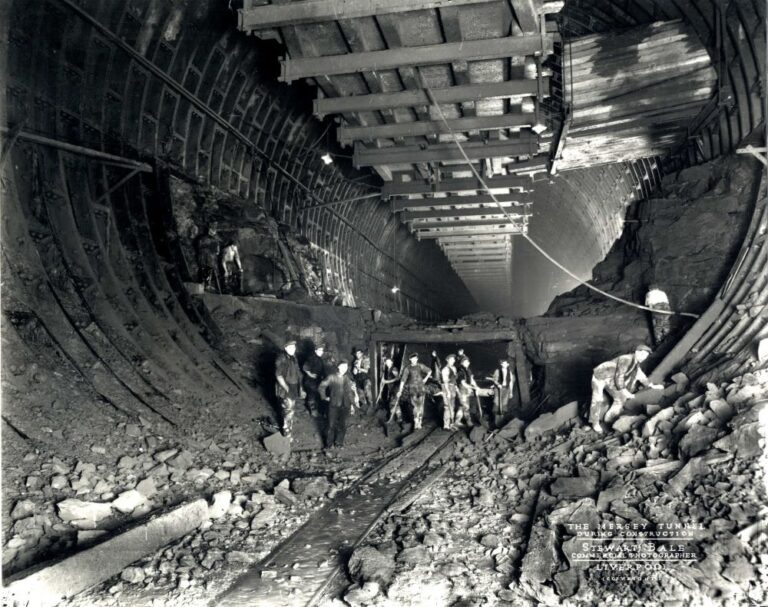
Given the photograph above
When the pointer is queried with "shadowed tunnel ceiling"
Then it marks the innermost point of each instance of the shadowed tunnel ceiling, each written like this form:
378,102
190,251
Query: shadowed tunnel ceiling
177,86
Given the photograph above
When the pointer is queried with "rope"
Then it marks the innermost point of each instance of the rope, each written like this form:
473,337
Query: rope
534,244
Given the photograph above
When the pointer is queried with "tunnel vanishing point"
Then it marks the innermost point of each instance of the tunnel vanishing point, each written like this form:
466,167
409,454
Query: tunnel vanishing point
384,302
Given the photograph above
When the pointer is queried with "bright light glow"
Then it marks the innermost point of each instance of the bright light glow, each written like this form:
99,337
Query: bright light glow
326,158
395,289
539,128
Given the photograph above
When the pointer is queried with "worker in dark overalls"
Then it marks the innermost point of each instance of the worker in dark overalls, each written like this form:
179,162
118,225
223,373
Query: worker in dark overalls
314,373
339,391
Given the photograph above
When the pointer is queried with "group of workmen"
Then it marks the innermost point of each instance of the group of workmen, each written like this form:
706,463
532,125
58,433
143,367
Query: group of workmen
331,392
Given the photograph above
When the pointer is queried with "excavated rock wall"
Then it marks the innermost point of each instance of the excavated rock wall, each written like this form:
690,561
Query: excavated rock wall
685,240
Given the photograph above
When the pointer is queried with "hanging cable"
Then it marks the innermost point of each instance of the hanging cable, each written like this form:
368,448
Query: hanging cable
524,234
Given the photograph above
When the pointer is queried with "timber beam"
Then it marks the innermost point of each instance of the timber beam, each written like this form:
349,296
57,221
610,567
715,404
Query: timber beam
464,223
468,184
371,61
317,11
525,145
451,213
506,200
419,98
424,235
422,128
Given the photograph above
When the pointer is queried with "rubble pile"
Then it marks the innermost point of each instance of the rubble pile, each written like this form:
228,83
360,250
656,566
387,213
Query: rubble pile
242,529
502,526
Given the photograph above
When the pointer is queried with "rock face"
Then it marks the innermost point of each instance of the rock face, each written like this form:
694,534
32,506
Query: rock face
669,243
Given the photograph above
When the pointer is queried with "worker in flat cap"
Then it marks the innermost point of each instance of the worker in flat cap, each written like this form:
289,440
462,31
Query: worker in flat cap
415,375
339,391
288,384
448,375
314,369
618,377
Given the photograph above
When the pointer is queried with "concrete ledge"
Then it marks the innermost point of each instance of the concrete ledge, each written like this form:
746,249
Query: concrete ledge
51,584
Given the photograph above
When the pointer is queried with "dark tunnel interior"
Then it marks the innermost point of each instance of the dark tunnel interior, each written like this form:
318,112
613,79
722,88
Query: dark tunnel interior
189,187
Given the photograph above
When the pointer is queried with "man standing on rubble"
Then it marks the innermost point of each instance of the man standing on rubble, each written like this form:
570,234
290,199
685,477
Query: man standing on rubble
389,377
617,377
288,388
415,376
208,247
504,386
361,368
314,373
339,391
448,376
466,387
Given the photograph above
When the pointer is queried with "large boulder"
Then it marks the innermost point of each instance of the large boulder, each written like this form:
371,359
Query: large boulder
83,515
367,564
550,422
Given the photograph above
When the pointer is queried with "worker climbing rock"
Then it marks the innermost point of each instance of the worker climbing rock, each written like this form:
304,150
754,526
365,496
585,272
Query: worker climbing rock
618,378
657,299
232,269
448,376
466,387
314,369
504,388
361,375
339,391
415,377
288,389
208,247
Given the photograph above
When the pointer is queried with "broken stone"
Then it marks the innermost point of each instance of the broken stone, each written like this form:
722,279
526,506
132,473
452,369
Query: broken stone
698,439
264,517
744,441
367,564
277,444
162,456
476,434
284,495
490,541
99,449
132,575
84,515
127,462
512,429
650,396
722,409
625,423
128,501
33,482
237,556
182,461
220,505
133,430
59,482
222,475
358,596
147,487
540,561
680,379
310,487
574,486
22,509
552,421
